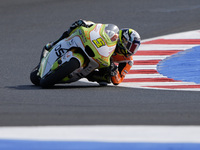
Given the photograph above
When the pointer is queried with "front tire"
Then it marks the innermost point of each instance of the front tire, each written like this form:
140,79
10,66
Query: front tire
35,79
60,73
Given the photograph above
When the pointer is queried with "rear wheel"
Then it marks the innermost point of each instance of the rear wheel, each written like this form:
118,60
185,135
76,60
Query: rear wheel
60,73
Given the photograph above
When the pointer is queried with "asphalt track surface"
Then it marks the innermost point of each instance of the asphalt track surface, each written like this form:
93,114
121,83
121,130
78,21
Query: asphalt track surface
25,26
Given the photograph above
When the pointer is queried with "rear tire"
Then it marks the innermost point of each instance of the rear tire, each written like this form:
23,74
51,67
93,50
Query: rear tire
53,78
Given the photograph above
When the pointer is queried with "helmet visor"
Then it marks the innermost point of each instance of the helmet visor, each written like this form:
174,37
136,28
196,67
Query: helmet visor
132,47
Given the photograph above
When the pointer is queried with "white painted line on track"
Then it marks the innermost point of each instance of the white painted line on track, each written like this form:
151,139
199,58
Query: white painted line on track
157,83
129,76
149,57
147,47
136,67
195,34
158,134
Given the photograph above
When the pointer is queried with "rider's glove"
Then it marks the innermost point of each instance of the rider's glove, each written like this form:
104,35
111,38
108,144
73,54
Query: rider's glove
113,69
78,24
74,26
48,46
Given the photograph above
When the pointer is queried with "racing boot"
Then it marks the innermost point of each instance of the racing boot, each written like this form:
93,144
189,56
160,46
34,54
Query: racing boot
102,79
105,79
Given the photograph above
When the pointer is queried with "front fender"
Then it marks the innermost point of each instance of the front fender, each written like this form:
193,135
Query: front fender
66,58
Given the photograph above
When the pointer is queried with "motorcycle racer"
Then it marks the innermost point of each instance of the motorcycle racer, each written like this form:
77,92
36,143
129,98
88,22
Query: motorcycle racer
128,42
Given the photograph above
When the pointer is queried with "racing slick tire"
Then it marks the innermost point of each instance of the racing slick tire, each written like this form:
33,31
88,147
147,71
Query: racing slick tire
35,79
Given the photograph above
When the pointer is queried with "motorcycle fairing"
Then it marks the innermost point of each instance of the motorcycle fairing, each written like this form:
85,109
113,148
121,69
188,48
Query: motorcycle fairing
95,37
49,62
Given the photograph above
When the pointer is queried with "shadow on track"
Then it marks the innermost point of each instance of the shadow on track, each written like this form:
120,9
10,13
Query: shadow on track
33,87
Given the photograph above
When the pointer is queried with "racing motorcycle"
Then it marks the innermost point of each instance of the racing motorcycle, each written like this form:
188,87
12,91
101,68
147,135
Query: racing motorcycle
76,56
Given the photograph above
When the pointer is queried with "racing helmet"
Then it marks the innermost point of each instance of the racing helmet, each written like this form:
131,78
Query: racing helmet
129,41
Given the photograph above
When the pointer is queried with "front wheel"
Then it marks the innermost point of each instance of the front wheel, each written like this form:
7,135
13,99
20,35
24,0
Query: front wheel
35,79
60,73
